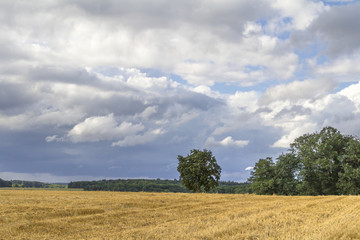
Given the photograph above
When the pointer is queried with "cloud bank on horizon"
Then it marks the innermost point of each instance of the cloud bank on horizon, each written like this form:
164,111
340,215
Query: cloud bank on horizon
117,89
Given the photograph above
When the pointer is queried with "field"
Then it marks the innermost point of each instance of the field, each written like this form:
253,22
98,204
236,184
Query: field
38,214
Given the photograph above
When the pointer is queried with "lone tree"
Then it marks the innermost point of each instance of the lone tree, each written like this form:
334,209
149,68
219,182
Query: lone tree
199,171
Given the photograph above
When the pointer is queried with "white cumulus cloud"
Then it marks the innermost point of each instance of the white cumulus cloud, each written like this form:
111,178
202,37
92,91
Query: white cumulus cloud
249,168
95,129
226,142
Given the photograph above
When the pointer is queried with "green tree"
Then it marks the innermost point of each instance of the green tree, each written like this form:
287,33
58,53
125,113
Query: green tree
286,174
4,183
349,176
199,171
320,156
320,163
263,177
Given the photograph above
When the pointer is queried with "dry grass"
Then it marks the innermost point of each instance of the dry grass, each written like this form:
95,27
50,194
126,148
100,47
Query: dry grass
36,214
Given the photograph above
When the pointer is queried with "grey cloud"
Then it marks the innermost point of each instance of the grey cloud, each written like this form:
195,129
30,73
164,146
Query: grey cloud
100,98
338,111
196,100
119,105
94,105
163,34
263,110
9,51
173,104
76,92
224,18
76,75
128,104
14,97
293,111
62,74
340,28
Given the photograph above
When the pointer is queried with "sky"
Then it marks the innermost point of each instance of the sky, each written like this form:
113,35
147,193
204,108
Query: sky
118,89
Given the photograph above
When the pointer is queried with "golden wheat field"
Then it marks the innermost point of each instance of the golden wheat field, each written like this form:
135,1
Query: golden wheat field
40,214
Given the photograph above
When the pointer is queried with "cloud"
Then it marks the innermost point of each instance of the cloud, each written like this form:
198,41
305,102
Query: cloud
352,93
249,168
339,29
300,20
226,142
243,100
292,131
296,90
53,138
49,178
341,69
194,39
132,140
15,97
96,129
148,112
338,109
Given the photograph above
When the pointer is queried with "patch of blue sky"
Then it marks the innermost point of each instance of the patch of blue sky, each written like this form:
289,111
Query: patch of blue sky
154,73
338,3
342,85
108,71
232,88
311,51
178,79
251,68
281,35
284,35
262,22
287,20
150,72
225,88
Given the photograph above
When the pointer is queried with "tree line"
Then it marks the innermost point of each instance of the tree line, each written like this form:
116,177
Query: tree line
4,183
29,184
130,185
153,185
320,163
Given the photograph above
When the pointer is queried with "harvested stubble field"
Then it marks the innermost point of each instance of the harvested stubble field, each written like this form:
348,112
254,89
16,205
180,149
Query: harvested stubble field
39,214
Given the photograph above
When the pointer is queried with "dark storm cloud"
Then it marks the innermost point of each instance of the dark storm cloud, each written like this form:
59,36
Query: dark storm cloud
98,106
64,74
102,97
15,97
195,100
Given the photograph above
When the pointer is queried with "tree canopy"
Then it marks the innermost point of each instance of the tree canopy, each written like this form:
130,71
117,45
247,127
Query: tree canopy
320,163
4,183
199,171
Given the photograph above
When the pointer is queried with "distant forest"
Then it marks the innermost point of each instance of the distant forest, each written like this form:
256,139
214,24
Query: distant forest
158,185
30,184
129,185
